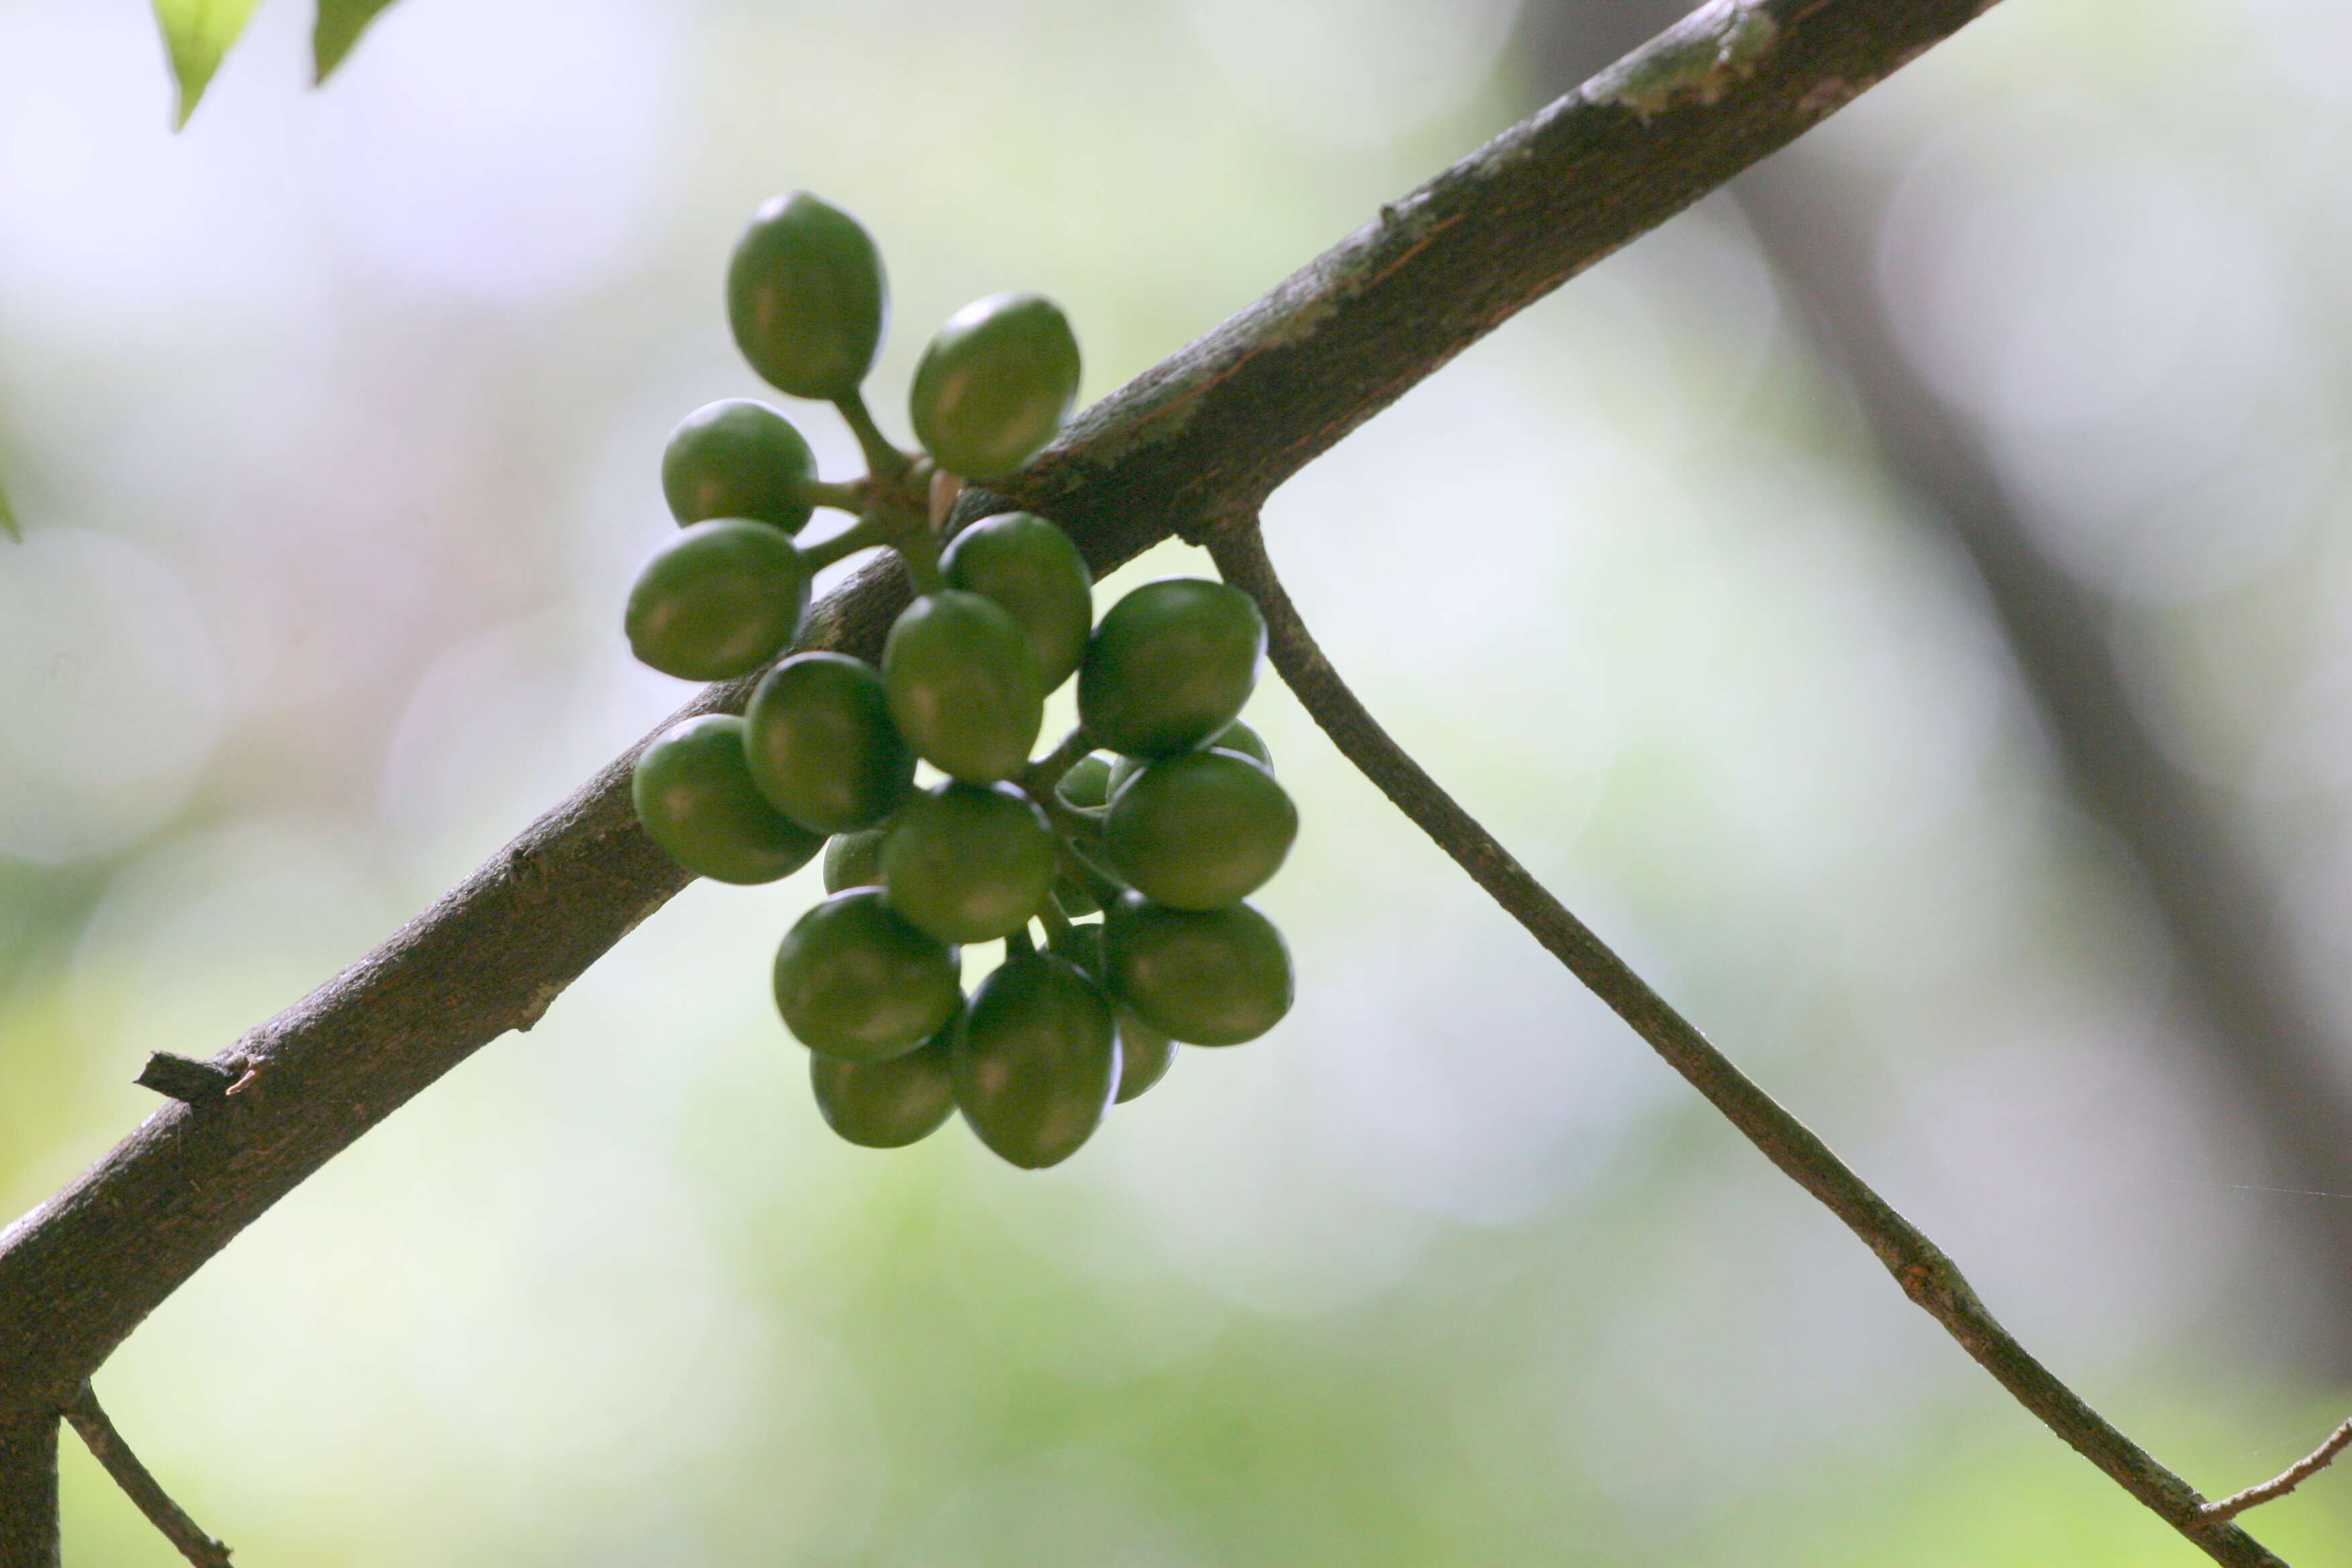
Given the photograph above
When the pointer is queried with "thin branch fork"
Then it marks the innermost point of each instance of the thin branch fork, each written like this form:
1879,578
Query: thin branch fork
2286,1481
1930,1279
107,1446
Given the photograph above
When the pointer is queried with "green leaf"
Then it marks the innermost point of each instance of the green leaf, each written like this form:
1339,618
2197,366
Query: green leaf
8,519
198,33
341,23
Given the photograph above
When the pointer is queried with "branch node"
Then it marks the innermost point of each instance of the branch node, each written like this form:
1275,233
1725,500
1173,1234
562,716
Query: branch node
1205,533
542,996
184,1078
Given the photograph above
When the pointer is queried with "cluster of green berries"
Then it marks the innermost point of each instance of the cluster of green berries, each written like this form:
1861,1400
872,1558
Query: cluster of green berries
1160,812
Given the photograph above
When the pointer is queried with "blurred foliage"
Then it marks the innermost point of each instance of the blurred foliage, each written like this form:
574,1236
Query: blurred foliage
197,34
339,26
348,410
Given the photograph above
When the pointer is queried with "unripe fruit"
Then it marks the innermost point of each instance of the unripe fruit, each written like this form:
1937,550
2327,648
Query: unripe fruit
1235,737
885,1105
806,296
1170,665
1073,890
1032,572
1145,1053
1215,977
963,685
695,799
738,459
1239,737
821,746
969,862
1087,783
719,600
1200,830
855,981
995,385
1035,1060
853,860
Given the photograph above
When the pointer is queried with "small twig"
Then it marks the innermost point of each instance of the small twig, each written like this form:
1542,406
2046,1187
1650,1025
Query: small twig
183,1078
2279,1486
106,1445
1927,1276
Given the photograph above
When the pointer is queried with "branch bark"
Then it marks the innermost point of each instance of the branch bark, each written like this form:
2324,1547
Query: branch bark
2278,1486
139,1483
1207,434
1930,1279
29,1489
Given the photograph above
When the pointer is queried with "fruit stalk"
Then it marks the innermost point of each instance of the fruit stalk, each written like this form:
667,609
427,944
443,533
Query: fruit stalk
884,462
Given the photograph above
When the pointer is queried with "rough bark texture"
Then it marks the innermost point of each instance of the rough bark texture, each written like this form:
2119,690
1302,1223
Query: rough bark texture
29,1491
1205,435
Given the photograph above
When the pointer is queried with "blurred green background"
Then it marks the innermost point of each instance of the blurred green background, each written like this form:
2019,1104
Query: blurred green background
334,425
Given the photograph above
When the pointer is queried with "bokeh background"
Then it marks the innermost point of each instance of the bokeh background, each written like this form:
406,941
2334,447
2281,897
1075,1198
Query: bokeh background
1905,603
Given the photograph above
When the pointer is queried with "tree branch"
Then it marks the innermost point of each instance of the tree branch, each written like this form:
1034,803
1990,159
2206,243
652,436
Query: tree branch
1209,432
29,1489
138,1483
2279,1486
1927,1276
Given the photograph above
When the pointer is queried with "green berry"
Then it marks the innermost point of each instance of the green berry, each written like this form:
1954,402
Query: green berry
1215,977
1231,738
1035,1060
1083,786
738,459
995,385
856,982
1144,1053
1029,568
697,801
1239,737
963,685
1200,830
969,862
853,860
1087,783
1235,737
806,296
821,746
1170,665
719,600
885,1105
